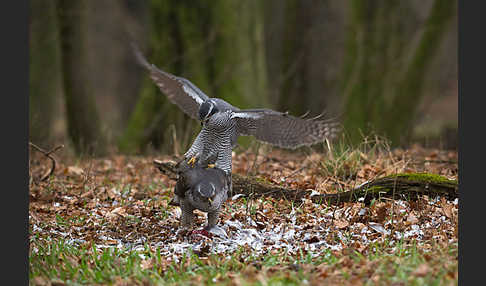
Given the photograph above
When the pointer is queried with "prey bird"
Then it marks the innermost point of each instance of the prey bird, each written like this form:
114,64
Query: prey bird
200,187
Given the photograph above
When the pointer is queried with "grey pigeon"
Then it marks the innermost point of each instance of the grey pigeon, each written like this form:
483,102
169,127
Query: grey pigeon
203,188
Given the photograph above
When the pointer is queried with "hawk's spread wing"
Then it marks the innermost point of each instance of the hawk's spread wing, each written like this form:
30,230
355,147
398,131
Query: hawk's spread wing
180,91
282,129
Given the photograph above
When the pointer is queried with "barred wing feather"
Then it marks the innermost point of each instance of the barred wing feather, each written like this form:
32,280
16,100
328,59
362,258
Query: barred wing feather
178,90
283,130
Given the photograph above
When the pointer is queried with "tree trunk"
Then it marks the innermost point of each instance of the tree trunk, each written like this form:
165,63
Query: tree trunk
82,117
408,92
202,42
382,80
303,41
43,70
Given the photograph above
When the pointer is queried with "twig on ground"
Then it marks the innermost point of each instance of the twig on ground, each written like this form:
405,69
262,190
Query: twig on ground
86,177
293,173
251,170
48,155
167,168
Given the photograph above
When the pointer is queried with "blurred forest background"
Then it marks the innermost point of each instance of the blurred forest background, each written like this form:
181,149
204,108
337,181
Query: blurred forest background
388,67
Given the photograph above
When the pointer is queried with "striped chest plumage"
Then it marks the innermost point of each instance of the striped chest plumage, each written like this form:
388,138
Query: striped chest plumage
217,136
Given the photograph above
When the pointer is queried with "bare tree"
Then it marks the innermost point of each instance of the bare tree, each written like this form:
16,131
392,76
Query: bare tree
385,68
82,117
43,69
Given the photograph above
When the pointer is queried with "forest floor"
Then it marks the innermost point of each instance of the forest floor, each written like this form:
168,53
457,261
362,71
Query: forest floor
107,221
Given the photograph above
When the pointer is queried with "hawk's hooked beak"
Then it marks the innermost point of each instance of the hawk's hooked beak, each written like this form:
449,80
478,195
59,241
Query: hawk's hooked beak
210,200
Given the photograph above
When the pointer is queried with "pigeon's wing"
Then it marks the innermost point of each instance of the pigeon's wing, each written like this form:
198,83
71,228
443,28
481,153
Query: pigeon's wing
218,177
283,130
178,90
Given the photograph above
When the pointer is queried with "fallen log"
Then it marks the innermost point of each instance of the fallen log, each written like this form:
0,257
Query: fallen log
399,186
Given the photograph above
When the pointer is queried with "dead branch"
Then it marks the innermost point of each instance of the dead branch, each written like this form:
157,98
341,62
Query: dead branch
405,186
167,168
48,155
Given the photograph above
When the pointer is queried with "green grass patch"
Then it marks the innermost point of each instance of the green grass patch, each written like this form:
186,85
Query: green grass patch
384,263
344,160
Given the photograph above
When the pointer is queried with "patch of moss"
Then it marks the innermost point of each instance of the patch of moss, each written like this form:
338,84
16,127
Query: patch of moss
376,189
424,177
262,180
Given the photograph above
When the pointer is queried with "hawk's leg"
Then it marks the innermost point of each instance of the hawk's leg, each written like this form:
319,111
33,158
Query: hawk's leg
195,150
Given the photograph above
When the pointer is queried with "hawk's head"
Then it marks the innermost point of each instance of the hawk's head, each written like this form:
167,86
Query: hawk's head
206,110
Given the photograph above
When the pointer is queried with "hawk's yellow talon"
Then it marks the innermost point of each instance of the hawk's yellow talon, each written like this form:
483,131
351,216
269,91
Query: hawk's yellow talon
192,161
211,165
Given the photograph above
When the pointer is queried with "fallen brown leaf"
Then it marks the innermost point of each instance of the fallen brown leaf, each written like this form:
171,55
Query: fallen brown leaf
412,219
74,170
422,270
40,281
147,264
119,211
341,224
446,208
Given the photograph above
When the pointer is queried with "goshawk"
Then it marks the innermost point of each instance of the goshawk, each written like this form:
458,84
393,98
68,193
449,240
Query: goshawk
222,122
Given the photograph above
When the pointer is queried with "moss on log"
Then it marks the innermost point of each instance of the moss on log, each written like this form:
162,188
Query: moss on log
403,185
